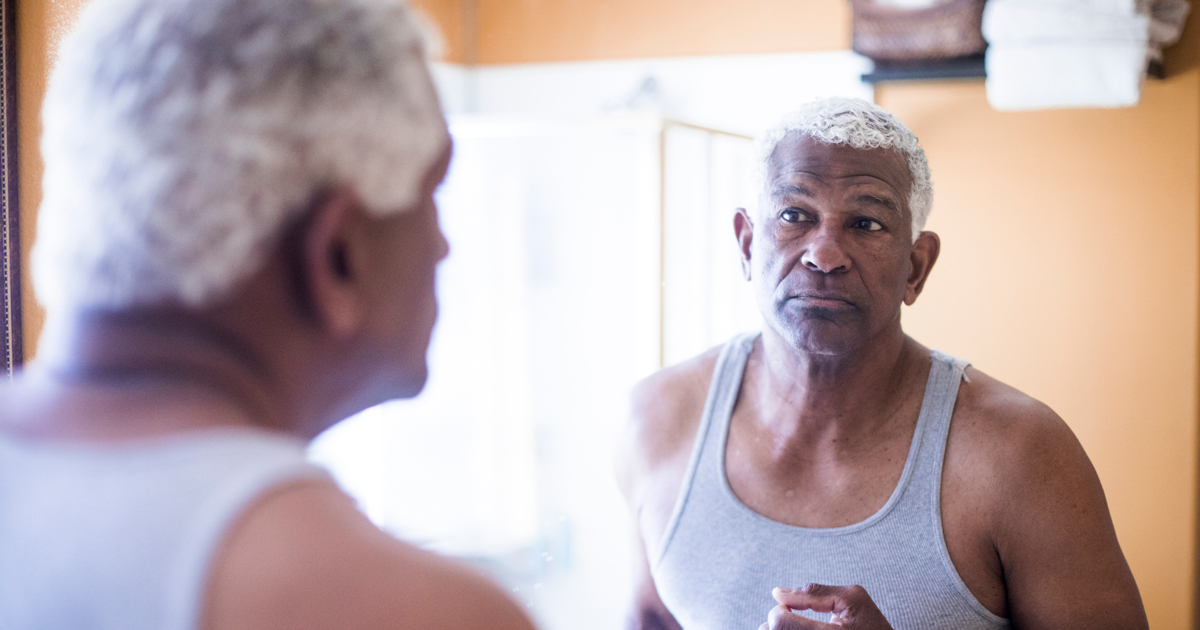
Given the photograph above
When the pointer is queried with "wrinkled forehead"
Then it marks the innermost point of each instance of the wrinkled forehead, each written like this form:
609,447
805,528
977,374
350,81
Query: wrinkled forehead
798,157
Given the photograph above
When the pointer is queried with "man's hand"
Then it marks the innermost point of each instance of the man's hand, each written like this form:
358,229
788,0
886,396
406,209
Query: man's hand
851,607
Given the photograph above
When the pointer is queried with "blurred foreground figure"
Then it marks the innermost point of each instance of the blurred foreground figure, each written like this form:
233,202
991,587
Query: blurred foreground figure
881,484
236,249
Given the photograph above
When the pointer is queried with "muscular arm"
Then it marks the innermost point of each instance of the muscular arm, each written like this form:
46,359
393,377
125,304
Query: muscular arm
648,611
651,460
1016,474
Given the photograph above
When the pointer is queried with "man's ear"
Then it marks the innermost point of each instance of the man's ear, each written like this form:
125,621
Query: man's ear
924,254
334,261
743,230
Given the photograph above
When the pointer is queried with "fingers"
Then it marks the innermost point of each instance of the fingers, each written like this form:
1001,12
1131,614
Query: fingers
821,597
851,607
782,618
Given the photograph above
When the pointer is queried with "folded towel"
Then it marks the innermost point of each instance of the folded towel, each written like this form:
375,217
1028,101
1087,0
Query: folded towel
1023,22
1065,75
1121,7
1046,54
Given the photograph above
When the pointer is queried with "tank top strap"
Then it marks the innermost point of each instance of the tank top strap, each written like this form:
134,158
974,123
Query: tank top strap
941,392
710,434
101,522
241,476
946,375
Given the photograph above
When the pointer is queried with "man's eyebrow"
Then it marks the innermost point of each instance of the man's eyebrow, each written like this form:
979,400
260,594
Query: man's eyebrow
886,202
791,189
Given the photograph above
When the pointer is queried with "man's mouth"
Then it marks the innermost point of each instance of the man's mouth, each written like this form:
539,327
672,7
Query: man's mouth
823,300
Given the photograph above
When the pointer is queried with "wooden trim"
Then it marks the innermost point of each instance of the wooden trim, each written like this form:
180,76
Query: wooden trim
10,233
662,246
709,130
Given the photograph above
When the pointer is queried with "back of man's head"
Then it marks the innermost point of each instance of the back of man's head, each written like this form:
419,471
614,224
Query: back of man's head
183,136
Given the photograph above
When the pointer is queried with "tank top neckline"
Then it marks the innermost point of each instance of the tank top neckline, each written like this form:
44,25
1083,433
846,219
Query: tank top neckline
196,437
740,355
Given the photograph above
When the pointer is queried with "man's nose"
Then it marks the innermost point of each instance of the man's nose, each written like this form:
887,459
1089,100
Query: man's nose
825,252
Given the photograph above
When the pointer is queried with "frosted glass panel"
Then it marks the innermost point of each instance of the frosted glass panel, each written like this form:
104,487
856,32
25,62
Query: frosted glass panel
557,296
705,298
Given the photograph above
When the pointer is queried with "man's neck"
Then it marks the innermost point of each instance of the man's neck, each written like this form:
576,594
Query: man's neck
142,373
802,395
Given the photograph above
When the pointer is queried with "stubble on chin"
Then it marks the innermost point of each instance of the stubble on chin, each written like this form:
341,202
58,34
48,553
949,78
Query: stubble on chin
818,332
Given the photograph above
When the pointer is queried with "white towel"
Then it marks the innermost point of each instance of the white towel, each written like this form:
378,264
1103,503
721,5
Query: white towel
1055,76
1045,54
1009,22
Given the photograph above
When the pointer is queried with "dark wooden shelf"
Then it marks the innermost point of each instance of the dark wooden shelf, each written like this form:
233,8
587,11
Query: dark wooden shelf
969,67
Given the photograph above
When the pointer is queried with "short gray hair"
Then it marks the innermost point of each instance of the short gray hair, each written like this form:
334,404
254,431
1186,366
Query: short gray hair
862,125
183,136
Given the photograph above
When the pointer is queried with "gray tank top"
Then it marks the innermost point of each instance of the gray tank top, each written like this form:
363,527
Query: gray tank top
719,560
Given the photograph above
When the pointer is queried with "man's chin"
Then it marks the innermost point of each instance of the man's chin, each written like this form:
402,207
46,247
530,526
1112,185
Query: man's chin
408,384
383,388
823,339
414,386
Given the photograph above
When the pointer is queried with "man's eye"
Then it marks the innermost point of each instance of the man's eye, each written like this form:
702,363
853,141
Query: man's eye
870,225
792,215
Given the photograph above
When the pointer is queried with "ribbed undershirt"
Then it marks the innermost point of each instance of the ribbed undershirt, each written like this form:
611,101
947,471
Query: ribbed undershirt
719,559
121,536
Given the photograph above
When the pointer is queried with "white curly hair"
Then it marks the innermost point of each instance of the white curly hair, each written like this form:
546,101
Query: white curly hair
862,125
183,136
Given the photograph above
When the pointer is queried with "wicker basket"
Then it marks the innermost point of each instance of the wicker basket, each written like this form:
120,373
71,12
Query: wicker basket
943,31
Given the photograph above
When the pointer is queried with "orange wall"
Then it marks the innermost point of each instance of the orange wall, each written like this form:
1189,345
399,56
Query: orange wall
523,31
453,21
1069,270
520,31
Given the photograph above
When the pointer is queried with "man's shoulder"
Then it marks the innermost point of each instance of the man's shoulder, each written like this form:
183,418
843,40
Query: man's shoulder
674,391
1005,440
663,414
304,557
1000,414
1018,489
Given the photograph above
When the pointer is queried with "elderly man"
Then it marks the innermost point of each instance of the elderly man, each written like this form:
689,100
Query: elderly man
881,484
236,248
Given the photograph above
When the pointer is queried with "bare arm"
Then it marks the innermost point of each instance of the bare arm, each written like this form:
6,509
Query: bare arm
1025,517
651,459
304,558
648,611
1063,566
